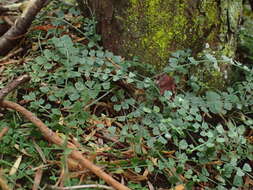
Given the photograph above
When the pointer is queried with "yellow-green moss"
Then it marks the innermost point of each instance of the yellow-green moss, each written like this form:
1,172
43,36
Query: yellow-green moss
155,28
159,27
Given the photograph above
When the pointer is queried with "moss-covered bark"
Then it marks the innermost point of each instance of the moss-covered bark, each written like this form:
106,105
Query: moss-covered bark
152,29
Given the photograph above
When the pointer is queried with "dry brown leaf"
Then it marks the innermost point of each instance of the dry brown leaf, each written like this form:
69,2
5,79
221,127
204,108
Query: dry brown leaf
217,162
74,165
40,152
90,135
248,182
178,187
150,186
145,173
166,83
15,166
132,176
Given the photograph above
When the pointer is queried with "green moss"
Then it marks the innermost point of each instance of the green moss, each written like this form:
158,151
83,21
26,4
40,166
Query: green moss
155,28
159,27
206,20
214,80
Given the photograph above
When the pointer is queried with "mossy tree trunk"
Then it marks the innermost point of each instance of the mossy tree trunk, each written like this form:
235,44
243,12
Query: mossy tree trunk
153,29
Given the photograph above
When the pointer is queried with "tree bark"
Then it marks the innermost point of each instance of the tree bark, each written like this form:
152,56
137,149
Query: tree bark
153,29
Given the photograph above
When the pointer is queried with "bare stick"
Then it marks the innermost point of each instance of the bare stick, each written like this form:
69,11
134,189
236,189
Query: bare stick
37,179
11,38
82,187
11,54
13,85
53,137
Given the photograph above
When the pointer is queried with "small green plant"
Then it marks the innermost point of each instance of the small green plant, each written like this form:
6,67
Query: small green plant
197,135
200,128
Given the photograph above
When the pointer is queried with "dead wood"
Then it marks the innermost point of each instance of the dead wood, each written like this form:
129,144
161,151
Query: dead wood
13,85
53,137
37,179
13,36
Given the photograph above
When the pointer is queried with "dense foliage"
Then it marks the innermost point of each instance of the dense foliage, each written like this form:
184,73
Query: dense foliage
193,134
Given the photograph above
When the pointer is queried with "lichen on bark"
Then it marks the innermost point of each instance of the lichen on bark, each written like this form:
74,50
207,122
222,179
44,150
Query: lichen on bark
158,27
152,29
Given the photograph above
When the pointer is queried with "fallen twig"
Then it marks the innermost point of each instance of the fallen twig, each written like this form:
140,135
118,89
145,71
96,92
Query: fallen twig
11,54
82,187
10,39
37,147
9,62
117,143
13,85
53,137
37,179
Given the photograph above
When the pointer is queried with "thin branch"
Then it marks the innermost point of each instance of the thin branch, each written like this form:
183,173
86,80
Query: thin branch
82,187
37,179
53,137
11,54
12,37
12,86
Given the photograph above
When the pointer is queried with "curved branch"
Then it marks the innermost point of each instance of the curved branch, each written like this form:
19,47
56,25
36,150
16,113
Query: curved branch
11,38
53,137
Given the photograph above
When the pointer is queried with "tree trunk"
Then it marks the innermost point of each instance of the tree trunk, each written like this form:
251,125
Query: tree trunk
152,29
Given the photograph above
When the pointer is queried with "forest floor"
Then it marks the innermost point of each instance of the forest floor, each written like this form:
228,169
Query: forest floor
80,117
